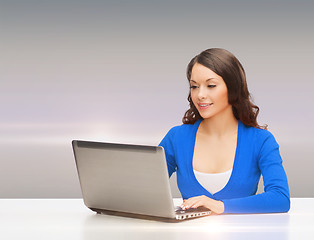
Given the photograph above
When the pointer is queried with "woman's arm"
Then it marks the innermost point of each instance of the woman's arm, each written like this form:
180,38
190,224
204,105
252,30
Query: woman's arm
167,144
276,196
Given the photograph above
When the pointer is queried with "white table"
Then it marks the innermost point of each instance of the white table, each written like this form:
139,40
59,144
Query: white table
70,219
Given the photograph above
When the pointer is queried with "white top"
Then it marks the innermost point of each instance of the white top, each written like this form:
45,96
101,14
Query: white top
213,182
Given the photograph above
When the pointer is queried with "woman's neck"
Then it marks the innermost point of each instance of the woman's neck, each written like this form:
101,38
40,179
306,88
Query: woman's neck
224,124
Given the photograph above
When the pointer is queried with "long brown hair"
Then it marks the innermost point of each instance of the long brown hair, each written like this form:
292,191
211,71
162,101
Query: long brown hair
226,65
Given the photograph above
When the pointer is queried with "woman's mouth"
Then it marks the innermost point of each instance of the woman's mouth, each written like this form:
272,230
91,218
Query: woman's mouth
204,105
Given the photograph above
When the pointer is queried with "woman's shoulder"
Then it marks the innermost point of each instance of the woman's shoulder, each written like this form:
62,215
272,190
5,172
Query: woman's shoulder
259,134
182,129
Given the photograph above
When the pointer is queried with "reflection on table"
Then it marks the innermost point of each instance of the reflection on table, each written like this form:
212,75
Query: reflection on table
70,219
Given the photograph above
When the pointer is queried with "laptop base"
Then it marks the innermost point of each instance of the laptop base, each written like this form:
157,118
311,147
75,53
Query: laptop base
179,217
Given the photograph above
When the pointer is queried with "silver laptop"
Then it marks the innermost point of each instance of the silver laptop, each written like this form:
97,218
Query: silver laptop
127,180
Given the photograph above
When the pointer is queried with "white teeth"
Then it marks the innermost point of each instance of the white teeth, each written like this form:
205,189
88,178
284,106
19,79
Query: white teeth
204,105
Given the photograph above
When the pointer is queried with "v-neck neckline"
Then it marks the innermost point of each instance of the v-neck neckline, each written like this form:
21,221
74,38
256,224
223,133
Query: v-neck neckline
235,162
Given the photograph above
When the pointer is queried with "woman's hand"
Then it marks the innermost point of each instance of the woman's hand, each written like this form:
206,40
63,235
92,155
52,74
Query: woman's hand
204,201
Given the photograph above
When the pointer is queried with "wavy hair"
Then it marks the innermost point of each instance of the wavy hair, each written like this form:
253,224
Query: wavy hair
226,65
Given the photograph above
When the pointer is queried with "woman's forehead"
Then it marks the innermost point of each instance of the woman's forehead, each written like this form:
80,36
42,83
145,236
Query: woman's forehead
201,73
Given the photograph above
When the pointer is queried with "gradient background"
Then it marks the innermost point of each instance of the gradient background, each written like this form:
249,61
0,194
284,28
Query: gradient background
115,71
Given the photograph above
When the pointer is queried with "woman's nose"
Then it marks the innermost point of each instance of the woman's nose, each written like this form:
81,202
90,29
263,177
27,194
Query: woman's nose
202,93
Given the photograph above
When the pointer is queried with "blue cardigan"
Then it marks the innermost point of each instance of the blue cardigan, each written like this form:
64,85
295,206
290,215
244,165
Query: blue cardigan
257,153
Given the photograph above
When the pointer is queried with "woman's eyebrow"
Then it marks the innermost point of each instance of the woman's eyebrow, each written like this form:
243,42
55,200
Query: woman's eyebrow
209,79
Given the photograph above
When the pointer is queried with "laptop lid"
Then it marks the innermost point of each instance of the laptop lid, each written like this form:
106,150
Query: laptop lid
124,178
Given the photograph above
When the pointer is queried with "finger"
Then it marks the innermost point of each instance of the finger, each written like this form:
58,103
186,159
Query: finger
189,203
183,203
196,205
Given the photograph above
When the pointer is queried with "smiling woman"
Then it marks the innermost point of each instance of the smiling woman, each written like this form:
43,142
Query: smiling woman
207,91
226,69
220,151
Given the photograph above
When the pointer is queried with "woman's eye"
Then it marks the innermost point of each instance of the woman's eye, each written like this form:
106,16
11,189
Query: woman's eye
211,86
193,87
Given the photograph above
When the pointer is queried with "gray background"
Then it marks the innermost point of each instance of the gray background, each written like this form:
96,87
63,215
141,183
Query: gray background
115,71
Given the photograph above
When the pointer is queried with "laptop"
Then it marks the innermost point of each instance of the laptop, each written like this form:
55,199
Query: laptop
127,180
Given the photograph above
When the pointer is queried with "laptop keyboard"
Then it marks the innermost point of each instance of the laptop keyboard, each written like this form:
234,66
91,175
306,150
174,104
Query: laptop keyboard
191,210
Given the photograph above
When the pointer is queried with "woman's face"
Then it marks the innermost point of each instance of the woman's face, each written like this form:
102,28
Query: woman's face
209,92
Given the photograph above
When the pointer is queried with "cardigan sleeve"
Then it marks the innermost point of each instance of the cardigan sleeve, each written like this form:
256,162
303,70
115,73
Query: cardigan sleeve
167,144
276,196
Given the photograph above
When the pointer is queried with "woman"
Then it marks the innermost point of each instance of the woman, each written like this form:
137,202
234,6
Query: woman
220,151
